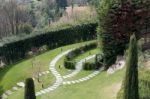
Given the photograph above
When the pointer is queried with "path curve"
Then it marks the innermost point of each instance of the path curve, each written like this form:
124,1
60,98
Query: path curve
57,75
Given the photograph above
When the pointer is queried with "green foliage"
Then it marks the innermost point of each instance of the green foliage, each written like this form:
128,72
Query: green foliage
106,40
14,49
91,66
94,65
29,89
144,85
115,27
68,63
26,28
131,78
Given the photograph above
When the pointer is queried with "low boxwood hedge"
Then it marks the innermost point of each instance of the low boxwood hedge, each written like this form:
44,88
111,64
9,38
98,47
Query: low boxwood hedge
94,65
68,63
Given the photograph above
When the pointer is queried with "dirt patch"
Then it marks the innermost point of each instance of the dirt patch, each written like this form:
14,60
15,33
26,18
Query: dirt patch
114,90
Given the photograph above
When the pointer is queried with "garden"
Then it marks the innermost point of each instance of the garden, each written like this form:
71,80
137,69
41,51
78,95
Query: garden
75,49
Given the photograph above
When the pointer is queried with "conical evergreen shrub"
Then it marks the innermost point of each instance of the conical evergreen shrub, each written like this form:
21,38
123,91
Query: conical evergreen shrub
131,77
29,89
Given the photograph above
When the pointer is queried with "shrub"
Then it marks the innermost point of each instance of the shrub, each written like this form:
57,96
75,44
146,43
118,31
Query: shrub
68,63
94,65
29,89
80,50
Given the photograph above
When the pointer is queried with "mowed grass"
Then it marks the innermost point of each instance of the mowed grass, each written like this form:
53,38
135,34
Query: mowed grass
103,86
24,69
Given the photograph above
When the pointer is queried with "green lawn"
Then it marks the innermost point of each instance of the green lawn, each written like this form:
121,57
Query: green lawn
103,86
23,69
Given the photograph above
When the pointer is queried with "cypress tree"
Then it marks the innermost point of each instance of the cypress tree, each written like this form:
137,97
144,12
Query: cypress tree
131,77
29,89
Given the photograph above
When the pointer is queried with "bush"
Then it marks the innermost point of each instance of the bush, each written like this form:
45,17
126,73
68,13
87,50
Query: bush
89,66
14,49
80,50
94,65
68,63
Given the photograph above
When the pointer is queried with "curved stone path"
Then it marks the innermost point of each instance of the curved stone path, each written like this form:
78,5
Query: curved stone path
59,79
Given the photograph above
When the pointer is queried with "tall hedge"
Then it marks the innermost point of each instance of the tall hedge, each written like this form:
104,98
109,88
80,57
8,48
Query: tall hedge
13,49
29,89
131,77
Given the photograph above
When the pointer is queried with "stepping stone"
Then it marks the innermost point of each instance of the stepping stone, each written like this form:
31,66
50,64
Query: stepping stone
77,81
90,76
38,93
46,90
68,83
73,82
33,78
47,72
4,96
21,84
84,79
40,74
64,83
43,92
15,88
87,78
81,80
50,89
8,92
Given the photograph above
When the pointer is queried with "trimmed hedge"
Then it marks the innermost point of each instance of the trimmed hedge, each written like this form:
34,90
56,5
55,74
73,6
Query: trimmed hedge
94,65
68,63
12,50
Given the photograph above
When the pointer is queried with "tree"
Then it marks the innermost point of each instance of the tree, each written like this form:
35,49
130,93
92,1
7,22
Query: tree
131,78
29,89
117,20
